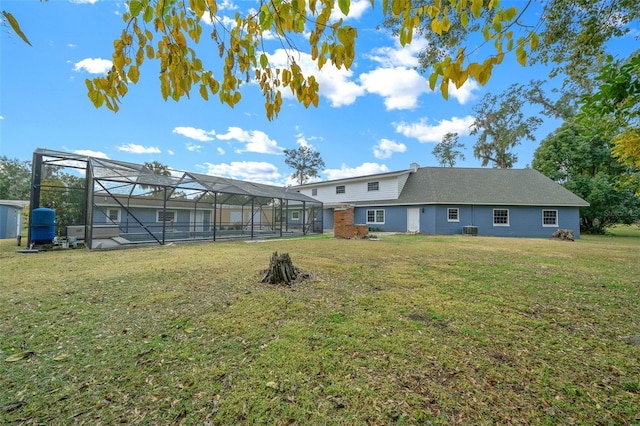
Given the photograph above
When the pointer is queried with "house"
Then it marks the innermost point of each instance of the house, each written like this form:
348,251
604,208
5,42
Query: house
11,218
441,200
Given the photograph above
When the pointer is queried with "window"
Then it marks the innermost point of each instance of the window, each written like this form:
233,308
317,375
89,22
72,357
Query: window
373,186
113,215
314,191
549,217
340,189
375,216
166,216
453,215
500,217
295,215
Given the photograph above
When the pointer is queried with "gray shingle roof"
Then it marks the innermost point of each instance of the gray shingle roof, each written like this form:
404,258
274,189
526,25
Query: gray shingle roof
447,185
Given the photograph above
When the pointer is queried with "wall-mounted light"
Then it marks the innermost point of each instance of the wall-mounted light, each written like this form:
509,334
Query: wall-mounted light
423,210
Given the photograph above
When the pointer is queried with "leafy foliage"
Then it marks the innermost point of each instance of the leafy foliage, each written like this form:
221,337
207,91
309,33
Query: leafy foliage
448,150
570,34
169,30
15,179
305,161
500,125
65,193
618,100
581,160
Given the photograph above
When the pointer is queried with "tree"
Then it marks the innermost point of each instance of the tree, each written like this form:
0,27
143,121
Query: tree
580,159
65,193
15,179
169,30
157,168
305,161
570,34
501,126
447,150
617,99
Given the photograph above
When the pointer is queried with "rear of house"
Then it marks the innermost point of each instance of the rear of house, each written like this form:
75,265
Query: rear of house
438,200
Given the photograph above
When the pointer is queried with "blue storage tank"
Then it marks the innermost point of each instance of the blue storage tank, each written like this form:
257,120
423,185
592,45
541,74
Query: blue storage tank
43,225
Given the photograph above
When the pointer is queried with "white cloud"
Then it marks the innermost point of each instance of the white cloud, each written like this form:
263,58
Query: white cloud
1,117
71,46
93,65
133,148
364,169
256,141
357,8
385,148
334,83
400,87
465,93
170,152
252,171
424,132
193,147
220,151
196,134
303,140
91,153
399,56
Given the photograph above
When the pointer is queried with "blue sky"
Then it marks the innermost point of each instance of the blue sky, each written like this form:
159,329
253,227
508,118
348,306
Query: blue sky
378,116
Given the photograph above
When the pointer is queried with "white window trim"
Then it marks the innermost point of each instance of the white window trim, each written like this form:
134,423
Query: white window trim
175,215
556,225
457,214
375,216
493,218
370,184
295,215
344,189
119,218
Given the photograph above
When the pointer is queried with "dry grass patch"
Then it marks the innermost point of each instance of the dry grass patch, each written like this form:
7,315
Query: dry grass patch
404,330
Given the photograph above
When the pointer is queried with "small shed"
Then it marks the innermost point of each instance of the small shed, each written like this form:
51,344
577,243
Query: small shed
11,218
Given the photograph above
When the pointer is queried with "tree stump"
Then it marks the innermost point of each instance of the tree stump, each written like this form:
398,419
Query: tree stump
281,270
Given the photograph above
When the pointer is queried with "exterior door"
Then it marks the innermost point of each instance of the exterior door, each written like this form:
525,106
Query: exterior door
413,220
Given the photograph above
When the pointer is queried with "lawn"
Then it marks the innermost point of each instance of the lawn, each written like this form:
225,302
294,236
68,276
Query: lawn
405,330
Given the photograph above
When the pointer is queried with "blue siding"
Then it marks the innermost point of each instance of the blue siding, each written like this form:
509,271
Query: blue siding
395,218
524,221
9,219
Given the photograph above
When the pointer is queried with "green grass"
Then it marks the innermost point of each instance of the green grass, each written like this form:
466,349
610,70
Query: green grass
405,330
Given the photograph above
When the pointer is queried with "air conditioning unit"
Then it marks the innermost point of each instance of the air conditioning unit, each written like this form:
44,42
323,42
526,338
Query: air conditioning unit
470,230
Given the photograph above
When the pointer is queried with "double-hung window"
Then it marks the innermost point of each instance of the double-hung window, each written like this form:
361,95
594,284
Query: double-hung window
113,215
500,217
373,186
550,218
166,216
375,216
453,214
340,189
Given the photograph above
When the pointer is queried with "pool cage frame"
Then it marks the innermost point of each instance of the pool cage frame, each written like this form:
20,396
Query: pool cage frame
125,204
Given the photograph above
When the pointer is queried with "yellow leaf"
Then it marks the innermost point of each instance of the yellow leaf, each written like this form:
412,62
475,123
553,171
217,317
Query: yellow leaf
19,356
15,26
444,88
533,41
433,79
464,18
521,56
61,357
436,26
476,8
189,330
133,74
203,92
